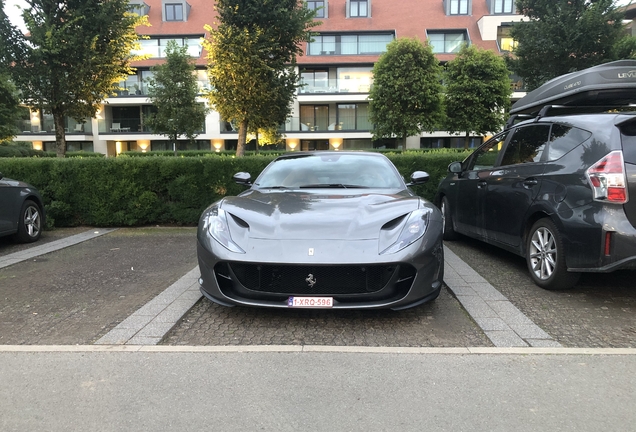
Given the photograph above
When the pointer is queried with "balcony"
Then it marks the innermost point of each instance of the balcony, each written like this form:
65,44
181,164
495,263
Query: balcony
359,123
46,126
336,86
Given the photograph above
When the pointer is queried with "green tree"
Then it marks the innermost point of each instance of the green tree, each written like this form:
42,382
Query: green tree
251,57
9,98
74,53
173,91
406,97
9,108
563,36
477,92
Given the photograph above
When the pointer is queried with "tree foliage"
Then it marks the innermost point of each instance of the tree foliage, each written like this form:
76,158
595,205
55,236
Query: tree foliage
173,91
251,55
477,92
406,97
563,36
9,108
74,53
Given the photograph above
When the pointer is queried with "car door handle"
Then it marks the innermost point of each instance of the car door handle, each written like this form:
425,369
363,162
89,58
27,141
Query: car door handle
481,184
530,182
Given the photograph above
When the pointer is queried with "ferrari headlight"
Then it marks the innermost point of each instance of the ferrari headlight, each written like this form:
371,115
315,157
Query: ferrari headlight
216,224
412,231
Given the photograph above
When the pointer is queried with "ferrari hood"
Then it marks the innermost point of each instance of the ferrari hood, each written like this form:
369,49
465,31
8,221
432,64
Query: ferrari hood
326,214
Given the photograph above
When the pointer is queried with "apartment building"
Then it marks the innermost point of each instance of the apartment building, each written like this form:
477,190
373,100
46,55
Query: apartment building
331,109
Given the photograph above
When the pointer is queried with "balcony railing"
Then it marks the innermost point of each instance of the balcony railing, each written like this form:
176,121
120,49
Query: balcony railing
354,85
359,123
141,89
48,127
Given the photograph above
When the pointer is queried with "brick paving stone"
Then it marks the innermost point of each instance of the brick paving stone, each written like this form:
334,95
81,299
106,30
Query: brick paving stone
442,323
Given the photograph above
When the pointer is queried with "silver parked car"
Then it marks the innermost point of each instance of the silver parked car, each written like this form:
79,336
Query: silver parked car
21,210
323,230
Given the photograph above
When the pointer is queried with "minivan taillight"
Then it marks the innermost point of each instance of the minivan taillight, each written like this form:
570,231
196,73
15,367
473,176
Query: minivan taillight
607,178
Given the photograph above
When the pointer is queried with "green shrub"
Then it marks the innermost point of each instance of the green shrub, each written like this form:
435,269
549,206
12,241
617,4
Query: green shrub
128,191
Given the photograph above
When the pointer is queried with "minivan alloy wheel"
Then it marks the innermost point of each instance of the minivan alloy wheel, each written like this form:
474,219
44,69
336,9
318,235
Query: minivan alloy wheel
545,255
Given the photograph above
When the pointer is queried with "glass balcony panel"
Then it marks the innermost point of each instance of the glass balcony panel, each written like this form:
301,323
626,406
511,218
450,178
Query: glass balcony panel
347,117
125,125
351,85
347,122
349,44
362,118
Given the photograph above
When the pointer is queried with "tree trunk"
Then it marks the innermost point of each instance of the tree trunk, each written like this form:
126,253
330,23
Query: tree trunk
60,134
242,137
256,148
174,143
466,140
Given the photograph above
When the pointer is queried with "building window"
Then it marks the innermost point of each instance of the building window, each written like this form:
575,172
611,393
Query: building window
315,81
174,11
447,42
505,42
319,6
349,44
358,8
353,117
503,6
156,47
355,79
314,117
140,9
458,7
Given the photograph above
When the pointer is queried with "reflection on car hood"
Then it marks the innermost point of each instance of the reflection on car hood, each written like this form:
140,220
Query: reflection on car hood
14,183
324,214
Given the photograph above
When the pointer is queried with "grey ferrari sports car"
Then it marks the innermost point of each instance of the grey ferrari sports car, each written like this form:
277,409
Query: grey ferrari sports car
323,230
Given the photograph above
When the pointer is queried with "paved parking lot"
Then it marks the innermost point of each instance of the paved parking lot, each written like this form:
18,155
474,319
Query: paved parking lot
76,294
79,294
442,323
599,312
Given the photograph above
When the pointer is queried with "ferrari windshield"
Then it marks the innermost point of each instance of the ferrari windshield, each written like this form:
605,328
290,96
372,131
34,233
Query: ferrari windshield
331,170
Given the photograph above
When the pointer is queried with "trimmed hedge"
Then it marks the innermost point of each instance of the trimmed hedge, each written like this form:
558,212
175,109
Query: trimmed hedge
127,191
198,153
13,151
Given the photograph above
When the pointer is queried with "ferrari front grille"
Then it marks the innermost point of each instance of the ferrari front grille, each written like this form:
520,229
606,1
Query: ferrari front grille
313,280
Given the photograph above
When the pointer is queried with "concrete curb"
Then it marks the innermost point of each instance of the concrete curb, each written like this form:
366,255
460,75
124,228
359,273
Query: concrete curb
149,324
501,321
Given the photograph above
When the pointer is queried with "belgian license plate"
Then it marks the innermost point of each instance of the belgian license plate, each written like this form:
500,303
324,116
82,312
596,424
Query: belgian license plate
310,302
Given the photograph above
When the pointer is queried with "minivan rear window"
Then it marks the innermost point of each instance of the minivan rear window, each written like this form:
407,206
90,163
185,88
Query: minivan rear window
628,139
565,138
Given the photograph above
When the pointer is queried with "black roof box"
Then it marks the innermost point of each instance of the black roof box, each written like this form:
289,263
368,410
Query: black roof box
609,84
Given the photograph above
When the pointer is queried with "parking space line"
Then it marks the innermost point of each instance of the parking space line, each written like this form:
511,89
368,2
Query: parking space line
315,349
32,252
500,320
150,323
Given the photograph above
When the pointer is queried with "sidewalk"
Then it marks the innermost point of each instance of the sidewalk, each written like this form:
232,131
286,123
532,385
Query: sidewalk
171,389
